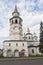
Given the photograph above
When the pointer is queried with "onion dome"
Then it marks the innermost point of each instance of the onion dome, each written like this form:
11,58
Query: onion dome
28,32
35,36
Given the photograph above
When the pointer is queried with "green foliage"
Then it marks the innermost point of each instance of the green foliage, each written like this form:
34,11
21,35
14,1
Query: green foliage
41,37
41,48
36,55
1,56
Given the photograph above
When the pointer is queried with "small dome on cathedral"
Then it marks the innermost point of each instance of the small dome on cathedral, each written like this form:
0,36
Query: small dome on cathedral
35,36
34,33
28,31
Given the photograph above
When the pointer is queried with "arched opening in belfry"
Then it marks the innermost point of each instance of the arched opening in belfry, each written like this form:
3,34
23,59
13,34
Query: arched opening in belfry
16,21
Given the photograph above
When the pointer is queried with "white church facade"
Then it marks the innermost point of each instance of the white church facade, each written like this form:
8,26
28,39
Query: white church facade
19,45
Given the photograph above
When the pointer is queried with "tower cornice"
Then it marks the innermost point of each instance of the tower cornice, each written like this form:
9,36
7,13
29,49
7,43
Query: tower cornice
16,17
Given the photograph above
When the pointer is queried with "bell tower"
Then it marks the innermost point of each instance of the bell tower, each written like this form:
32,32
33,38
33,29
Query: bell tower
15,25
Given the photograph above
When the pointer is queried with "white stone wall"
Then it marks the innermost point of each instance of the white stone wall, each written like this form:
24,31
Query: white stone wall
14,47
16,34
36,43
36,51
30,51
35,48
15,37
15,30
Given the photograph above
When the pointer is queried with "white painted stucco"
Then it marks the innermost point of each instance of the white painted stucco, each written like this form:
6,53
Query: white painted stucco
17,45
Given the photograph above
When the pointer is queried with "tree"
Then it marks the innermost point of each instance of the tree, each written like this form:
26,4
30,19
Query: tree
41,38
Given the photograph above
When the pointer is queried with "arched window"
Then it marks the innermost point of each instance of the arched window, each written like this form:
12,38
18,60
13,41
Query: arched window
32,50
12,21
9,44
16,21
29,37
16,44
23,44
9,53
20,22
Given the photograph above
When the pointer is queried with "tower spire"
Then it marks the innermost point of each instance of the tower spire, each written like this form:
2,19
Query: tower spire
15,7
15,10
28,31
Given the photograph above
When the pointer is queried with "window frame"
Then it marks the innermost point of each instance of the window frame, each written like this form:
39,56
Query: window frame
32,50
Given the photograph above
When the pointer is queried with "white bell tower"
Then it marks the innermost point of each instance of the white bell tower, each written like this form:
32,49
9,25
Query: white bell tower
15,26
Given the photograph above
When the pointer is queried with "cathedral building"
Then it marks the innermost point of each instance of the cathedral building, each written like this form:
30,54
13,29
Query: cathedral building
19,45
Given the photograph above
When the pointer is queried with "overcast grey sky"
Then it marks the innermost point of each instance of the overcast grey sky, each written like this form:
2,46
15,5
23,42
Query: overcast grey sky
31,11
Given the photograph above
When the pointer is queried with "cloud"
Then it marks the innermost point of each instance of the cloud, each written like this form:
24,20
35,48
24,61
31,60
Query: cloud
31,12
4,32
31,15
36,29
33,22
40,4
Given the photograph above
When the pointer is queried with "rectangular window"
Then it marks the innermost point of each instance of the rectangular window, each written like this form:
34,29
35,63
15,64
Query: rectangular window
9,44
32,50
23,44
16,44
